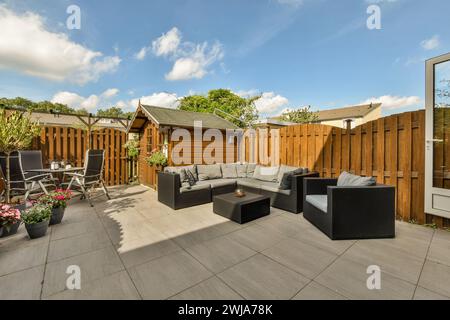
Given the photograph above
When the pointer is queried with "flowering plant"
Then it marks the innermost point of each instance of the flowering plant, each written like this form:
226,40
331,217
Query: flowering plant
157,158
37,213
8,215
56,199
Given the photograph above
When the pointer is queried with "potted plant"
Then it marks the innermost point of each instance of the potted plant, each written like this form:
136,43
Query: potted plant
57,201
16,133
132,147
157,159
9,220
36,220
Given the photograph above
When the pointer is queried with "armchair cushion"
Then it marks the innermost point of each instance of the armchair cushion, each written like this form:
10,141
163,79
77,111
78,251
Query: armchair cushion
350,180
319,201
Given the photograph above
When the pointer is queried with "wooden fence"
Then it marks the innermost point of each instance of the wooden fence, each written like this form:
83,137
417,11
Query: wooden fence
70,144
392,149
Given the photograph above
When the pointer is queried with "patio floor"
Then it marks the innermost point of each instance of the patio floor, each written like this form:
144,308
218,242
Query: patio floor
133,247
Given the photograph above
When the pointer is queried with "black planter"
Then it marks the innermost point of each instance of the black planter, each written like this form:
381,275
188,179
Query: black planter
37,230
57,215
1,231
12,230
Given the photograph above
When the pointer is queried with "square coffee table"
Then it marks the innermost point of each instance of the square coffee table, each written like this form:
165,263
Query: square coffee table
241,209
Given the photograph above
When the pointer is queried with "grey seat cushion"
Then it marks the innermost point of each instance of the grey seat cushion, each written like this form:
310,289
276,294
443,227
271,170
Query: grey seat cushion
249,182
216,183
229,170
350,180
195,188
320,201
273,187
209,171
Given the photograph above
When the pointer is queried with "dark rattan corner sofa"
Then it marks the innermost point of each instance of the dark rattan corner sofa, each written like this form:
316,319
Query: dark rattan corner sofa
283,184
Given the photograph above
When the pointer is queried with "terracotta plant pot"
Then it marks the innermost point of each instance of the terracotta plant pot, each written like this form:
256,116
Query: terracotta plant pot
57,215
37,230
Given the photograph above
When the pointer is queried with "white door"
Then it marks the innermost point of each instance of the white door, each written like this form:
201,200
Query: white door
437,144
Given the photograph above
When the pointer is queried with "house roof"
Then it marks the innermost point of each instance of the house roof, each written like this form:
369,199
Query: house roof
347,112
180,118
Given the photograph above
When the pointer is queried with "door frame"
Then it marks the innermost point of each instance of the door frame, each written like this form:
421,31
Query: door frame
429,136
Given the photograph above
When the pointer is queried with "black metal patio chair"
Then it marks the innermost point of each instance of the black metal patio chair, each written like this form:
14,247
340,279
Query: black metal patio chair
21,182
92,176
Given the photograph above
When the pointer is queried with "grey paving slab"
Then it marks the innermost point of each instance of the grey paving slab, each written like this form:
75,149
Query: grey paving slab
315,291
210,289
425,294
68,247
436,277
301,257
349,279
390,259
117,286
93,265
168,275
262,278
17,259
22,285
440,247
220,253
257,237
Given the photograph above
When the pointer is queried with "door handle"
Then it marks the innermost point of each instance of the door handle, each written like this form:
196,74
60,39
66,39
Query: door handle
435,140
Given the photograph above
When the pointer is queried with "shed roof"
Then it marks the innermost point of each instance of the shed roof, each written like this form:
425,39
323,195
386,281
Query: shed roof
347,112
180,118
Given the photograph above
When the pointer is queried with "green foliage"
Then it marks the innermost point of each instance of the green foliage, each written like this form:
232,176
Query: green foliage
16,131
132,147
238,110
56,199
36,214
114,112
45,106
157,158
301,115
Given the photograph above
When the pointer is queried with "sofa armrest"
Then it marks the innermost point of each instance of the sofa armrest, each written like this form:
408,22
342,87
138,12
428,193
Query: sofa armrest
364,210
317,185
297,180
169,185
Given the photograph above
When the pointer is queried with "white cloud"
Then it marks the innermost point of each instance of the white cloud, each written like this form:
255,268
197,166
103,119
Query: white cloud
195,63
109,93
270,102
395,102
294,3
247,93
76,101
28,47
168,43
432,43
141,54
159,99
190,60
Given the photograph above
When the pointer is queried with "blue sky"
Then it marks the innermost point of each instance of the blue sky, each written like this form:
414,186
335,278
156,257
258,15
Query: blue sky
293,52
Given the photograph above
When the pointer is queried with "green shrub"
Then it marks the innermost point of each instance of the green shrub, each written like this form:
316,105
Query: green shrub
157,158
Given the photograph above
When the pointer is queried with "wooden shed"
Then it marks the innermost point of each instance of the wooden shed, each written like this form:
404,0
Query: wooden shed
154,126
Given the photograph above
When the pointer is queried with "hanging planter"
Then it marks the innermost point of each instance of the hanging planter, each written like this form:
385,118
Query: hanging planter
157,159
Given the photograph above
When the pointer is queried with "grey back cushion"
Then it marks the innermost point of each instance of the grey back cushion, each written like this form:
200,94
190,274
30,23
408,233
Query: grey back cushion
251,169
229,170
350,180
286,181
266,173
209,171
241,170
283,169
192,169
